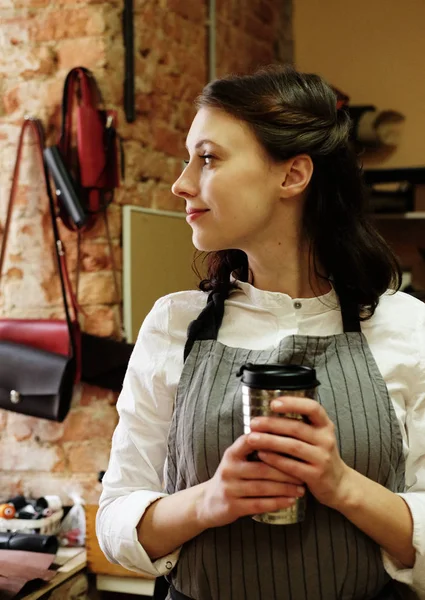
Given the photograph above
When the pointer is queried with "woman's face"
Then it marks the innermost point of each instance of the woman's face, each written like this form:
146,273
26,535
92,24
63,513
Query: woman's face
231,188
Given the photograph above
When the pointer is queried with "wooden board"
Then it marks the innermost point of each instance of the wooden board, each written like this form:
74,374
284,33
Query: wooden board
157,260
64,574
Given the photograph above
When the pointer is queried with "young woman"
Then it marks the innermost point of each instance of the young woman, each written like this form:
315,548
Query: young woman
297,274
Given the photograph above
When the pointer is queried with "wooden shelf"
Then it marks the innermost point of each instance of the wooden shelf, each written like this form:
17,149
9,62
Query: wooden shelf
400,216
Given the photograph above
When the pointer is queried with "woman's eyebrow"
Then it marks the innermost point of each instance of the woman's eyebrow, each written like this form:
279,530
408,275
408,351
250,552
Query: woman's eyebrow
205,141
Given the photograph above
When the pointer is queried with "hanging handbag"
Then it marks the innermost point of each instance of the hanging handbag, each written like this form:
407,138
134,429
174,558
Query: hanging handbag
39,358
85,176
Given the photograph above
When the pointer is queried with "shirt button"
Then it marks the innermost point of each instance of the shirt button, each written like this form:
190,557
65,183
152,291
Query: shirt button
297,305
169,564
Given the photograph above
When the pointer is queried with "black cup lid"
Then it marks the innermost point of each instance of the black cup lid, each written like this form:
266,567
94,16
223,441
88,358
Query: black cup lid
278,377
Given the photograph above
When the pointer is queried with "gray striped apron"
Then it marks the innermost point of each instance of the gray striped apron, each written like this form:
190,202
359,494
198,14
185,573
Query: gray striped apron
326,557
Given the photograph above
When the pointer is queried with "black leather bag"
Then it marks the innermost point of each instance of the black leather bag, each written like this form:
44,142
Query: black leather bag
35,382
36,378
29,542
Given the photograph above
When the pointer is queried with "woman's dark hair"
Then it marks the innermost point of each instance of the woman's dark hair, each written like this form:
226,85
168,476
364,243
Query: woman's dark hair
294,113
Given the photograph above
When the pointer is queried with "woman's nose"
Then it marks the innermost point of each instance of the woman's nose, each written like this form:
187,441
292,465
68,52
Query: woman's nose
185,185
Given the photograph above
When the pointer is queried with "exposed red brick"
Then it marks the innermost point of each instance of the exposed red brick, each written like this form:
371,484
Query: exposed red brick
12,100
138,195
168,140
257,28
89,456
97,288
94,256
90,422
3,419
143,103
30,456
44,63
267,11
140,131
63,24
52,289
185,115
11,485
91,394
21,427
27,230
14,273
31,3
115,225
48,431
101,321
189,9
93,49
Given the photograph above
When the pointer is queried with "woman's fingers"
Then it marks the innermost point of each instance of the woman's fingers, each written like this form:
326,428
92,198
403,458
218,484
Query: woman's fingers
284,445
237,465
285,426
259,470
239,450
311,409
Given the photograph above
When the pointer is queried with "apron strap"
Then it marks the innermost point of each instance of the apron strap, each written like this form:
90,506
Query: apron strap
208,323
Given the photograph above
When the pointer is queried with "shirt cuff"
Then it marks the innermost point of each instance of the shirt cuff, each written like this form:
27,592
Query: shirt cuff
413,577
117,534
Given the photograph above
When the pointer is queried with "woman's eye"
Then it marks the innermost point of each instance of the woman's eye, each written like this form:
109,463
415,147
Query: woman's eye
207,158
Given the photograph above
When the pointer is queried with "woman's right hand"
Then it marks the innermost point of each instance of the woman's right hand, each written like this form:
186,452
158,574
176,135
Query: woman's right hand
241,487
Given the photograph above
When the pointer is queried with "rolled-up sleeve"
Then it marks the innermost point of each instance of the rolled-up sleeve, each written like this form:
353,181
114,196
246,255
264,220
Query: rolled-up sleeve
414,495
134,478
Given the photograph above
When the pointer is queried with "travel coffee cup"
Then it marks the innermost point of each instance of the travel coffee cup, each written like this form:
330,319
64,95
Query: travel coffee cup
260,385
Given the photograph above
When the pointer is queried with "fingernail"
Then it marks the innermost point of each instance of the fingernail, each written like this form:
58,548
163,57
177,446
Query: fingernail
277,404
300,490
255,422
254,437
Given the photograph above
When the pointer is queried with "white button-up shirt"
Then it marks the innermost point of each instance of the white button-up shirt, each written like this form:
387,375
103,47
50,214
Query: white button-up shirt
253,319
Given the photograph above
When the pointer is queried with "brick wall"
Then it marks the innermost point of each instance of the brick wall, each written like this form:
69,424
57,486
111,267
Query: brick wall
40,41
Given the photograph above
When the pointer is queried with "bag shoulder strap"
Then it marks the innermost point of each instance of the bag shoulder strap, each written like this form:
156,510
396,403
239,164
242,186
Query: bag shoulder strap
35,126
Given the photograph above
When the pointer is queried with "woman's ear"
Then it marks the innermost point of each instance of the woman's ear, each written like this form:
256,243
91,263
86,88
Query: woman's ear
298,172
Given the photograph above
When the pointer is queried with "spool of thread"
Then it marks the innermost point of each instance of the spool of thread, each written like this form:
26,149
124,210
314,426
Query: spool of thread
28,512
52,502
18,502
7,511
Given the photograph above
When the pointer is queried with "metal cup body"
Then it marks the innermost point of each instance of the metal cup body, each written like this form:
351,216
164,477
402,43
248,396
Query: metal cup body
256,403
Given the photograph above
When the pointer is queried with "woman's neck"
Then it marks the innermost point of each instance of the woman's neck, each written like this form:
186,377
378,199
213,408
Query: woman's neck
289,270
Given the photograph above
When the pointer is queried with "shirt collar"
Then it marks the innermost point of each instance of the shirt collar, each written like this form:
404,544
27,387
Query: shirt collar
265,299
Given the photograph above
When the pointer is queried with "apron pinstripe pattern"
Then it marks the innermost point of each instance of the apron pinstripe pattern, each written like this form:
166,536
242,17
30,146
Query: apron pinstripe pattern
325,557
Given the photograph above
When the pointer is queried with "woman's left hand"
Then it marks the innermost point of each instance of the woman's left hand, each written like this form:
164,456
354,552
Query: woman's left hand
320,465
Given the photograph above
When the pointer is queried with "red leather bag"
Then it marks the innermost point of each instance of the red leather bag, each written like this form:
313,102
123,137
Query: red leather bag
95,164
40,359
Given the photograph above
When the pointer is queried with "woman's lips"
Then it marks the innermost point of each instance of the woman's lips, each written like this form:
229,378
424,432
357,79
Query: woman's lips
193,214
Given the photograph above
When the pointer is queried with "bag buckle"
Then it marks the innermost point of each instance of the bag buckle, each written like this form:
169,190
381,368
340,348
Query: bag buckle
15,397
